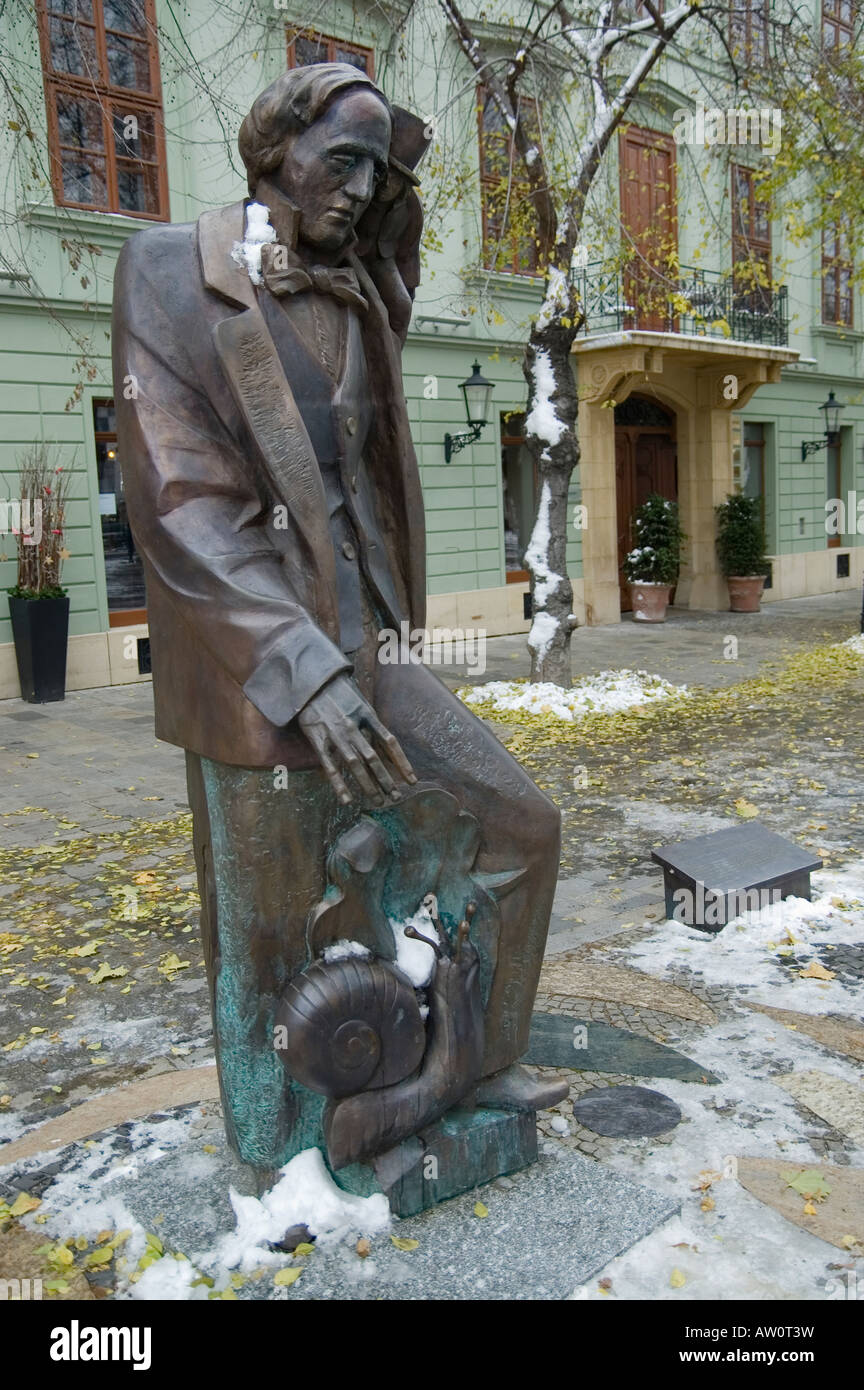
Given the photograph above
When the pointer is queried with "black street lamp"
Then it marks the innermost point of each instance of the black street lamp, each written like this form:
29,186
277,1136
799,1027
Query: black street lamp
832,409
478,403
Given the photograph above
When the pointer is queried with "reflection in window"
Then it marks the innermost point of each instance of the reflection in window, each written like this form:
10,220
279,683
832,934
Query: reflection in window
124,574
101,71
310,47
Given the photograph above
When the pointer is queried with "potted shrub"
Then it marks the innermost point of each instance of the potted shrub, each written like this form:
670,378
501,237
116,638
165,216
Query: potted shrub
741,551
651,568
38,605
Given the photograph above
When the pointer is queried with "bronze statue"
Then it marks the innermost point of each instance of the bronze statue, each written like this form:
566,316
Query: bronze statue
376,871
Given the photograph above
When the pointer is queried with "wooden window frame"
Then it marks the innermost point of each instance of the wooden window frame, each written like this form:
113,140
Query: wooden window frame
833,23
332,44
109,98
749,22
840,259
755,249
517,183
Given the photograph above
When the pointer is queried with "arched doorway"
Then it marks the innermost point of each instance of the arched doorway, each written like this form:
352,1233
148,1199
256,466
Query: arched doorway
646,461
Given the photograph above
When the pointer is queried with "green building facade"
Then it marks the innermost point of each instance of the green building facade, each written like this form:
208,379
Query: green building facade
186,74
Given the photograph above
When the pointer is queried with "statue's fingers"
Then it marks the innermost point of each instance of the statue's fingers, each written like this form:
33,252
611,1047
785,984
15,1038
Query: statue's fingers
332,772
375,765
392,747
351,757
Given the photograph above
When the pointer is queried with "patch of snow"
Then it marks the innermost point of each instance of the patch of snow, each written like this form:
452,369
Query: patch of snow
737,1246
258,233
542,634
855,644
414,958
542,419
546,581
304,1195
344,950
169,1280
608,692
557,298
749,953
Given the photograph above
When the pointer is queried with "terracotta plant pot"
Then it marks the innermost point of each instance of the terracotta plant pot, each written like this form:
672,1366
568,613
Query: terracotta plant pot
650,602
745,592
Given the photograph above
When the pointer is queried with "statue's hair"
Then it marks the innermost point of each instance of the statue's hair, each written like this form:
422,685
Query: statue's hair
289,105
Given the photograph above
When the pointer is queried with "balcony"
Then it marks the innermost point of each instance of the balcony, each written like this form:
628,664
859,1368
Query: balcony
695,302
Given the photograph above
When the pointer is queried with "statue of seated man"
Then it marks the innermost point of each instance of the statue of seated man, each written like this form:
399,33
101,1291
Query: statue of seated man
275,500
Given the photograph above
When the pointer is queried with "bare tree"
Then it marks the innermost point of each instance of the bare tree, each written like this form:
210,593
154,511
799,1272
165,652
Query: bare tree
608,51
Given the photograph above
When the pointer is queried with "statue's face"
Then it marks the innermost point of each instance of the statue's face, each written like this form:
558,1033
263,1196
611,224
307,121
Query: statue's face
331,169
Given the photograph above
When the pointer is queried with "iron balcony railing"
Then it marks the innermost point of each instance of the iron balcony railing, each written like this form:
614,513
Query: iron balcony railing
699,303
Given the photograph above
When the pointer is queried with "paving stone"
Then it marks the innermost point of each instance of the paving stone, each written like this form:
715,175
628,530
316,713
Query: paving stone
560,1041
19,1260
591,979
834,1100
838,1217
839,1036
626,1112
130,1102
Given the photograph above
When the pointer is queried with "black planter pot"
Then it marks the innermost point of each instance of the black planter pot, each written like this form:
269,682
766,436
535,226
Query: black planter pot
40,628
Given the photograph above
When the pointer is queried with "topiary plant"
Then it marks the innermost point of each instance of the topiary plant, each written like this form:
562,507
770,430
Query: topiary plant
656,557
741,537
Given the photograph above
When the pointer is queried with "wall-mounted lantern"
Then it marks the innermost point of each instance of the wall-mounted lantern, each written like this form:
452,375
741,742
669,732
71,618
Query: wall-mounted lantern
478,404
831,409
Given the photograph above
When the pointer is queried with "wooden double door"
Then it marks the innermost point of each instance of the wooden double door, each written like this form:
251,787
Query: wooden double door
646,461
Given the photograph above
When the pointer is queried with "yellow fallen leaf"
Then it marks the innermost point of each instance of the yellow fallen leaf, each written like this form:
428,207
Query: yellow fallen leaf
480,1209
745,808
809,1209
815,971
403,1243
24,1203
106,972
102,1256
363,1247
143,877
304,1248
88,949
284,1278
708,1202
848,1242
677,1280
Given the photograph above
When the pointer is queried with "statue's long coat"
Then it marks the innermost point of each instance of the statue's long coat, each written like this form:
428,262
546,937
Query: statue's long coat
226,500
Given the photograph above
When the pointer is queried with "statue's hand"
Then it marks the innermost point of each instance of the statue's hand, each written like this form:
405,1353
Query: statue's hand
336,722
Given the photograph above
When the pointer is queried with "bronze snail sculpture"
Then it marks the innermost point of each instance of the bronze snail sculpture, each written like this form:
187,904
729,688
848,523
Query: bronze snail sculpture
352,1030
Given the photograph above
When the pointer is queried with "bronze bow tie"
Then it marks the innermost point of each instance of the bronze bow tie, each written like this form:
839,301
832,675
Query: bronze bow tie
297,277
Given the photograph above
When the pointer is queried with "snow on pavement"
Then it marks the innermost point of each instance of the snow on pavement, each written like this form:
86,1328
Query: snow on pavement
607,692
738,1247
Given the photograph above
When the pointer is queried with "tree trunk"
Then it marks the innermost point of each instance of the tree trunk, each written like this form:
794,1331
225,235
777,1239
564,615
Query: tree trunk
551,433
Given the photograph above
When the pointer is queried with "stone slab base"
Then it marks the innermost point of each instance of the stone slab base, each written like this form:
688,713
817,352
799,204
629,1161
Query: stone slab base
464,1150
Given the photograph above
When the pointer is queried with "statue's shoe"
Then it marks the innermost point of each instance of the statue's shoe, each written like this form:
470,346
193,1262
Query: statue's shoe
516,1089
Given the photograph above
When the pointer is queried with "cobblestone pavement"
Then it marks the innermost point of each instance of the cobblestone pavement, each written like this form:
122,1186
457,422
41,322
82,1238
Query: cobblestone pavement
100,968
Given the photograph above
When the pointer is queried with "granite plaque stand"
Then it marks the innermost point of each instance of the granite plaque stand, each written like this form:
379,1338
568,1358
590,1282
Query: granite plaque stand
713,878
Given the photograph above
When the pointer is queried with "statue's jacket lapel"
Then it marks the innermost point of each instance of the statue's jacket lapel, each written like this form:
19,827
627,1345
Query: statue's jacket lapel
394,542
263,394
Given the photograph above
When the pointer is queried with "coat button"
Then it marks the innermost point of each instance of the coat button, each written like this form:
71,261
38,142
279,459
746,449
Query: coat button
348,551
351,425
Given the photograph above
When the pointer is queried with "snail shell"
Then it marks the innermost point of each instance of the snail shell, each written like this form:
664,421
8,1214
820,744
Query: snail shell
350,1025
